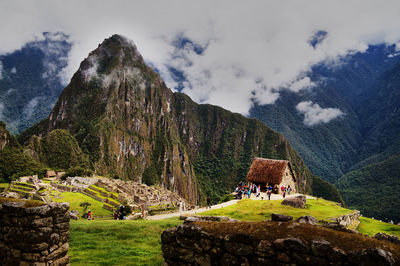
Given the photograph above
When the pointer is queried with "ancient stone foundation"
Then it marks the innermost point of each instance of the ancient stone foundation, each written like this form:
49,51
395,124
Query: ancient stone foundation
34,235
271,243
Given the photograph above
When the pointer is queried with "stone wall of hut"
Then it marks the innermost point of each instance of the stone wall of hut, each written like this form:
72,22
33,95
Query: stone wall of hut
287,179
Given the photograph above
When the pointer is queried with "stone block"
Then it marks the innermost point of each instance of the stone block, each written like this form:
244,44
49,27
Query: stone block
294,202
238,248
31,256
178,253
42,222
321,247
371,256
308,219
276,217
387,238
40,210
61,218
168,235
59,252
62,226
264,249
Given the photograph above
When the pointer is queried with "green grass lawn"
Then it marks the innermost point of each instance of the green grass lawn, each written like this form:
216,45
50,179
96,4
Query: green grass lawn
75,199
371,227
111,242
115,242
260,210
4,185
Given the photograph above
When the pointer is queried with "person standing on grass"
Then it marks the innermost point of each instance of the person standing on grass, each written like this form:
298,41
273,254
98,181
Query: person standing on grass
208,203
269,192
89,215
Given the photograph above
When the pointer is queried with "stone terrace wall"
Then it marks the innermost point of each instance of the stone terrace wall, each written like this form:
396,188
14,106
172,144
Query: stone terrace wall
189,244
34,236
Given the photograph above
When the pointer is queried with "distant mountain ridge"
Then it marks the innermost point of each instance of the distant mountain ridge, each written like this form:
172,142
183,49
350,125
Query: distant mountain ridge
30,80
364,87
133,127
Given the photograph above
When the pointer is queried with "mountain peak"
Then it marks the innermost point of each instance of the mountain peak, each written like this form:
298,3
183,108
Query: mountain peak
114,54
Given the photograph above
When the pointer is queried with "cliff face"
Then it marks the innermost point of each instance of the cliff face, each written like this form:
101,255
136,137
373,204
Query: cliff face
132,126
6,139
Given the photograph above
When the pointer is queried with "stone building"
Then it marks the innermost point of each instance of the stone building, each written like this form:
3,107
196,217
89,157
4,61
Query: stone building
275,173
50,174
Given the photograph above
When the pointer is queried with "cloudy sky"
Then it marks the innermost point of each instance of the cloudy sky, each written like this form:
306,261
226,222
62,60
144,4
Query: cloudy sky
230,53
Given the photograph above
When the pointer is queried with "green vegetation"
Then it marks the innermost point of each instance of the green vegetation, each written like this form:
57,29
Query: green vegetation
4,185
374,189
260,210
326,190
111,242
371,227
75,200
77,171
59,149
15,163
127,242
226,197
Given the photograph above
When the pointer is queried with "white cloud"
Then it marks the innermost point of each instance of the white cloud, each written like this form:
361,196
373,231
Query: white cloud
14,70
314,114
397,47
1,111
301,84
30,107
1,70
251,49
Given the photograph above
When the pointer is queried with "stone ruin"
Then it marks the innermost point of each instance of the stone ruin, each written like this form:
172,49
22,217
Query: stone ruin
36,235
198,242
137,194
134,194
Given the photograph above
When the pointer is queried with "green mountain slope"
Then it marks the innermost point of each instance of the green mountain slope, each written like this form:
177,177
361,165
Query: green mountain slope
133,127
374,189
13,161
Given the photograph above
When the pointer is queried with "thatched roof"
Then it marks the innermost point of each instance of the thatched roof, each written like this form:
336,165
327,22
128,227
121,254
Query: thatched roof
267,170
50,173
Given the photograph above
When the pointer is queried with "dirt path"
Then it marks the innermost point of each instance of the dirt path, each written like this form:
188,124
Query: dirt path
218,206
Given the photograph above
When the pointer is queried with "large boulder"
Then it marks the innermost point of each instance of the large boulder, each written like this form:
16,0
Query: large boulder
296,202
308,219
371,256
388,238
276,217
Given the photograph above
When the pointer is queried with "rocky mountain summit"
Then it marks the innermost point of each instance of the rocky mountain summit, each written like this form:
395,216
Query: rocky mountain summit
133,127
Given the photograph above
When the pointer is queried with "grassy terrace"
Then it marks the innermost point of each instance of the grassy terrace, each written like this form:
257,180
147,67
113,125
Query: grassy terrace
75,199
370,227
99,242
260,210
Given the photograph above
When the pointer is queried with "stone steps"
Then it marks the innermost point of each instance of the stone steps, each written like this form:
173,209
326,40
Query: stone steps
22,188
23,184
93,196
108,207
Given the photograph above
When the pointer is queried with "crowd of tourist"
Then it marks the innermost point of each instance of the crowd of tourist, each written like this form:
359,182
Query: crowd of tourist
244,190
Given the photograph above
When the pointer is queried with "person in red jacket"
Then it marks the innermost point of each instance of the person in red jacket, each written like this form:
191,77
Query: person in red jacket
89,215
